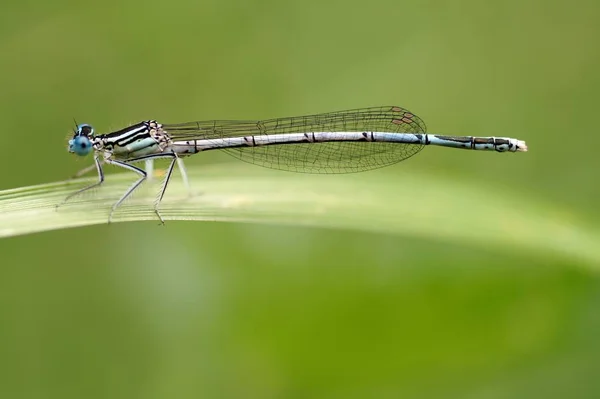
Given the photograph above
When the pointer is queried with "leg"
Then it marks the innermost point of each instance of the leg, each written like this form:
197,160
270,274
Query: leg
98,165
164,186
85,170
131,189
144,175
150,171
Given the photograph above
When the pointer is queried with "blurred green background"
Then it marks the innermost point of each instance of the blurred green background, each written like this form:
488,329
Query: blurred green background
224,310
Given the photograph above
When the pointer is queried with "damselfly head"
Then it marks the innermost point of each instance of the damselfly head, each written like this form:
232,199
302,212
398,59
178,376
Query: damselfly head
81,143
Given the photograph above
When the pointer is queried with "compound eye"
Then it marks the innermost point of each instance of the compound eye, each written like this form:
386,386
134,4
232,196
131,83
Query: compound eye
80,145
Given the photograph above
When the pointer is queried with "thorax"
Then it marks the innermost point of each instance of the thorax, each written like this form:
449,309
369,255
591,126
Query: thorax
141,139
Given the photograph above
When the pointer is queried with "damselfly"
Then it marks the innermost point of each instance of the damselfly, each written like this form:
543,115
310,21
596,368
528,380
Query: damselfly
337,142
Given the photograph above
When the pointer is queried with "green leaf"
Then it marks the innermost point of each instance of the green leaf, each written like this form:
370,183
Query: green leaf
399,202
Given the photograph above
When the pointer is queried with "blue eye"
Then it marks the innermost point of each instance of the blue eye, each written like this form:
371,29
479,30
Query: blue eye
80,145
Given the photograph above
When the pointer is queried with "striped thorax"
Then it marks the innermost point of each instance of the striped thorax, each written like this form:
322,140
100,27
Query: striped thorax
144,138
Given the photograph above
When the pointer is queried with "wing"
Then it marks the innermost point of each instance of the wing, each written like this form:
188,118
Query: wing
323,157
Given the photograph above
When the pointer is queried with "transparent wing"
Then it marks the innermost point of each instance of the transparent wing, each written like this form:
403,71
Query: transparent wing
326,157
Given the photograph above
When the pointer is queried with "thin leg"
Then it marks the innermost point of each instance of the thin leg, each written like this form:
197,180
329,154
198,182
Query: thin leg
164,186
131,189
86,170
149,168
143,174
98,165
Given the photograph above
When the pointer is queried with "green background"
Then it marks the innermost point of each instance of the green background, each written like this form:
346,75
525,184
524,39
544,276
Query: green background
200,309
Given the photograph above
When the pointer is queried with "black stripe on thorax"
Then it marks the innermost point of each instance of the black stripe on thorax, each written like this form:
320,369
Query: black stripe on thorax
128,135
